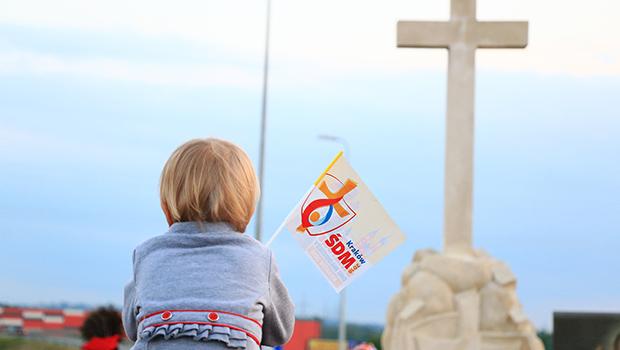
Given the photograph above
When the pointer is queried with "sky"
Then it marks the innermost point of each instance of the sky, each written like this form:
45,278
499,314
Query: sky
94,96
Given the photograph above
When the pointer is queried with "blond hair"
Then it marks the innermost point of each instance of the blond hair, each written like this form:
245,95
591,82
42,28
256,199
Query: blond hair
209,180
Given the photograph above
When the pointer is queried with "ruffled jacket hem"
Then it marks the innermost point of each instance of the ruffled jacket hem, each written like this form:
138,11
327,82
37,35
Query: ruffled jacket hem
200,332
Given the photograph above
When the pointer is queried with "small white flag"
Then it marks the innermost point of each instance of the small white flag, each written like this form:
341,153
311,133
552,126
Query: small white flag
341,225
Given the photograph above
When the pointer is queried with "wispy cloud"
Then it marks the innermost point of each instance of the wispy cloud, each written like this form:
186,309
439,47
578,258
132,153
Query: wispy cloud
28,146
194,75
347,35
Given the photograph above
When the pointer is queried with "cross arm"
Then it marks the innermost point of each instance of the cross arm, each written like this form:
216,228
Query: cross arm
424,34
501,34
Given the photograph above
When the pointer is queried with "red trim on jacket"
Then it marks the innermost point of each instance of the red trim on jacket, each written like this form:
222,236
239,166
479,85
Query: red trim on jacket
220,311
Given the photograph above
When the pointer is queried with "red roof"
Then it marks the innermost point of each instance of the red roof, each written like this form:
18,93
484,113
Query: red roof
38,319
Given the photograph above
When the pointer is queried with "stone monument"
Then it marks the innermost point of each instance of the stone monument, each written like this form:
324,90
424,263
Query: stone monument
461,298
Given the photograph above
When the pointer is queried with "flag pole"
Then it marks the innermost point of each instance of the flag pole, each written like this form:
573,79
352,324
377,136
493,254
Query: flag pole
281,228
283,224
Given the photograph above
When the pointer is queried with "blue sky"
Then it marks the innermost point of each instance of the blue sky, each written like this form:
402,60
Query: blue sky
91,110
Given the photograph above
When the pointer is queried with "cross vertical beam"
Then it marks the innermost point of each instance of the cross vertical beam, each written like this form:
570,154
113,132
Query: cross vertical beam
459,158
462,35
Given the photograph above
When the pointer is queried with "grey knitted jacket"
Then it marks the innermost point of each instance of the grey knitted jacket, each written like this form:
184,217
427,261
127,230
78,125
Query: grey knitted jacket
206,286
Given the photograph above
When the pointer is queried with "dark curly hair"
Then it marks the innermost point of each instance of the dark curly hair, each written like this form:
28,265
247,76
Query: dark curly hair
102,322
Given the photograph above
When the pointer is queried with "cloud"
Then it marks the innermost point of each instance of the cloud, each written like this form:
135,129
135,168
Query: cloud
193,75
20,145
344,36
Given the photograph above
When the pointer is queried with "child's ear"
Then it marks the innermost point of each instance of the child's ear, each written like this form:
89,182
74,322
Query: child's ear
164,207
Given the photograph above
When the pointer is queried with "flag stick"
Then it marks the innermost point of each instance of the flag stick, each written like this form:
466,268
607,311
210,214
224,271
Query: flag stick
283,224
316,183
278,231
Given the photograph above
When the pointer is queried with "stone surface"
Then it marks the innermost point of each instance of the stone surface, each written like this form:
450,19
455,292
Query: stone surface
408,272
468,307
400,333
460,272
426,343
441,326
502,274
517,315
411,309
434,310
423,253
495,305
502,341
534,343
432,291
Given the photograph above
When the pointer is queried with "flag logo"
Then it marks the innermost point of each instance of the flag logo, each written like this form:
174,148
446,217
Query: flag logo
317,211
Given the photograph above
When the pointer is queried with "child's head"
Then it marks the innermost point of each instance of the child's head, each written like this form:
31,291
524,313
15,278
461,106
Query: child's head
102,329
209,180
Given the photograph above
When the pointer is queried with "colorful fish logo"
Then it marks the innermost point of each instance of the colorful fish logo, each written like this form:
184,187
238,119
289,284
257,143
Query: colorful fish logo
312,217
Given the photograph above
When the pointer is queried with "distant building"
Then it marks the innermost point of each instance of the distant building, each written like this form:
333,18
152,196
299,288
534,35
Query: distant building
323,344
331,344
305,330
586,330
23,320
67,322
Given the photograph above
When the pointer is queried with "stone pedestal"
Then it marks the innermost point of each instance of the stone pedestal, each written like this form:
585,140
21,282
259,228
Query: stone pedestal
457,302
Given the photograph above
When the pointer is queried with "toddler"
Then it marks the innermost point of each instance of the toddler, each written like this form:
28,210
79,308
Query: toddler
204,284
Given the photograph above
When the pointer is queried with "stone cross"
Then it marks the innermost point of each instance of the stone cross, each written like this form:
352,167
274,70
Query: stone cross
462,35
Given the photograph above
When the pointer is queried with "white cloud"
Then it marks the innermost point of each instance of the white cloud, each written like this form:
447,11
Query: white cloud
324,38
567,37
193,75
235,22
28,146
